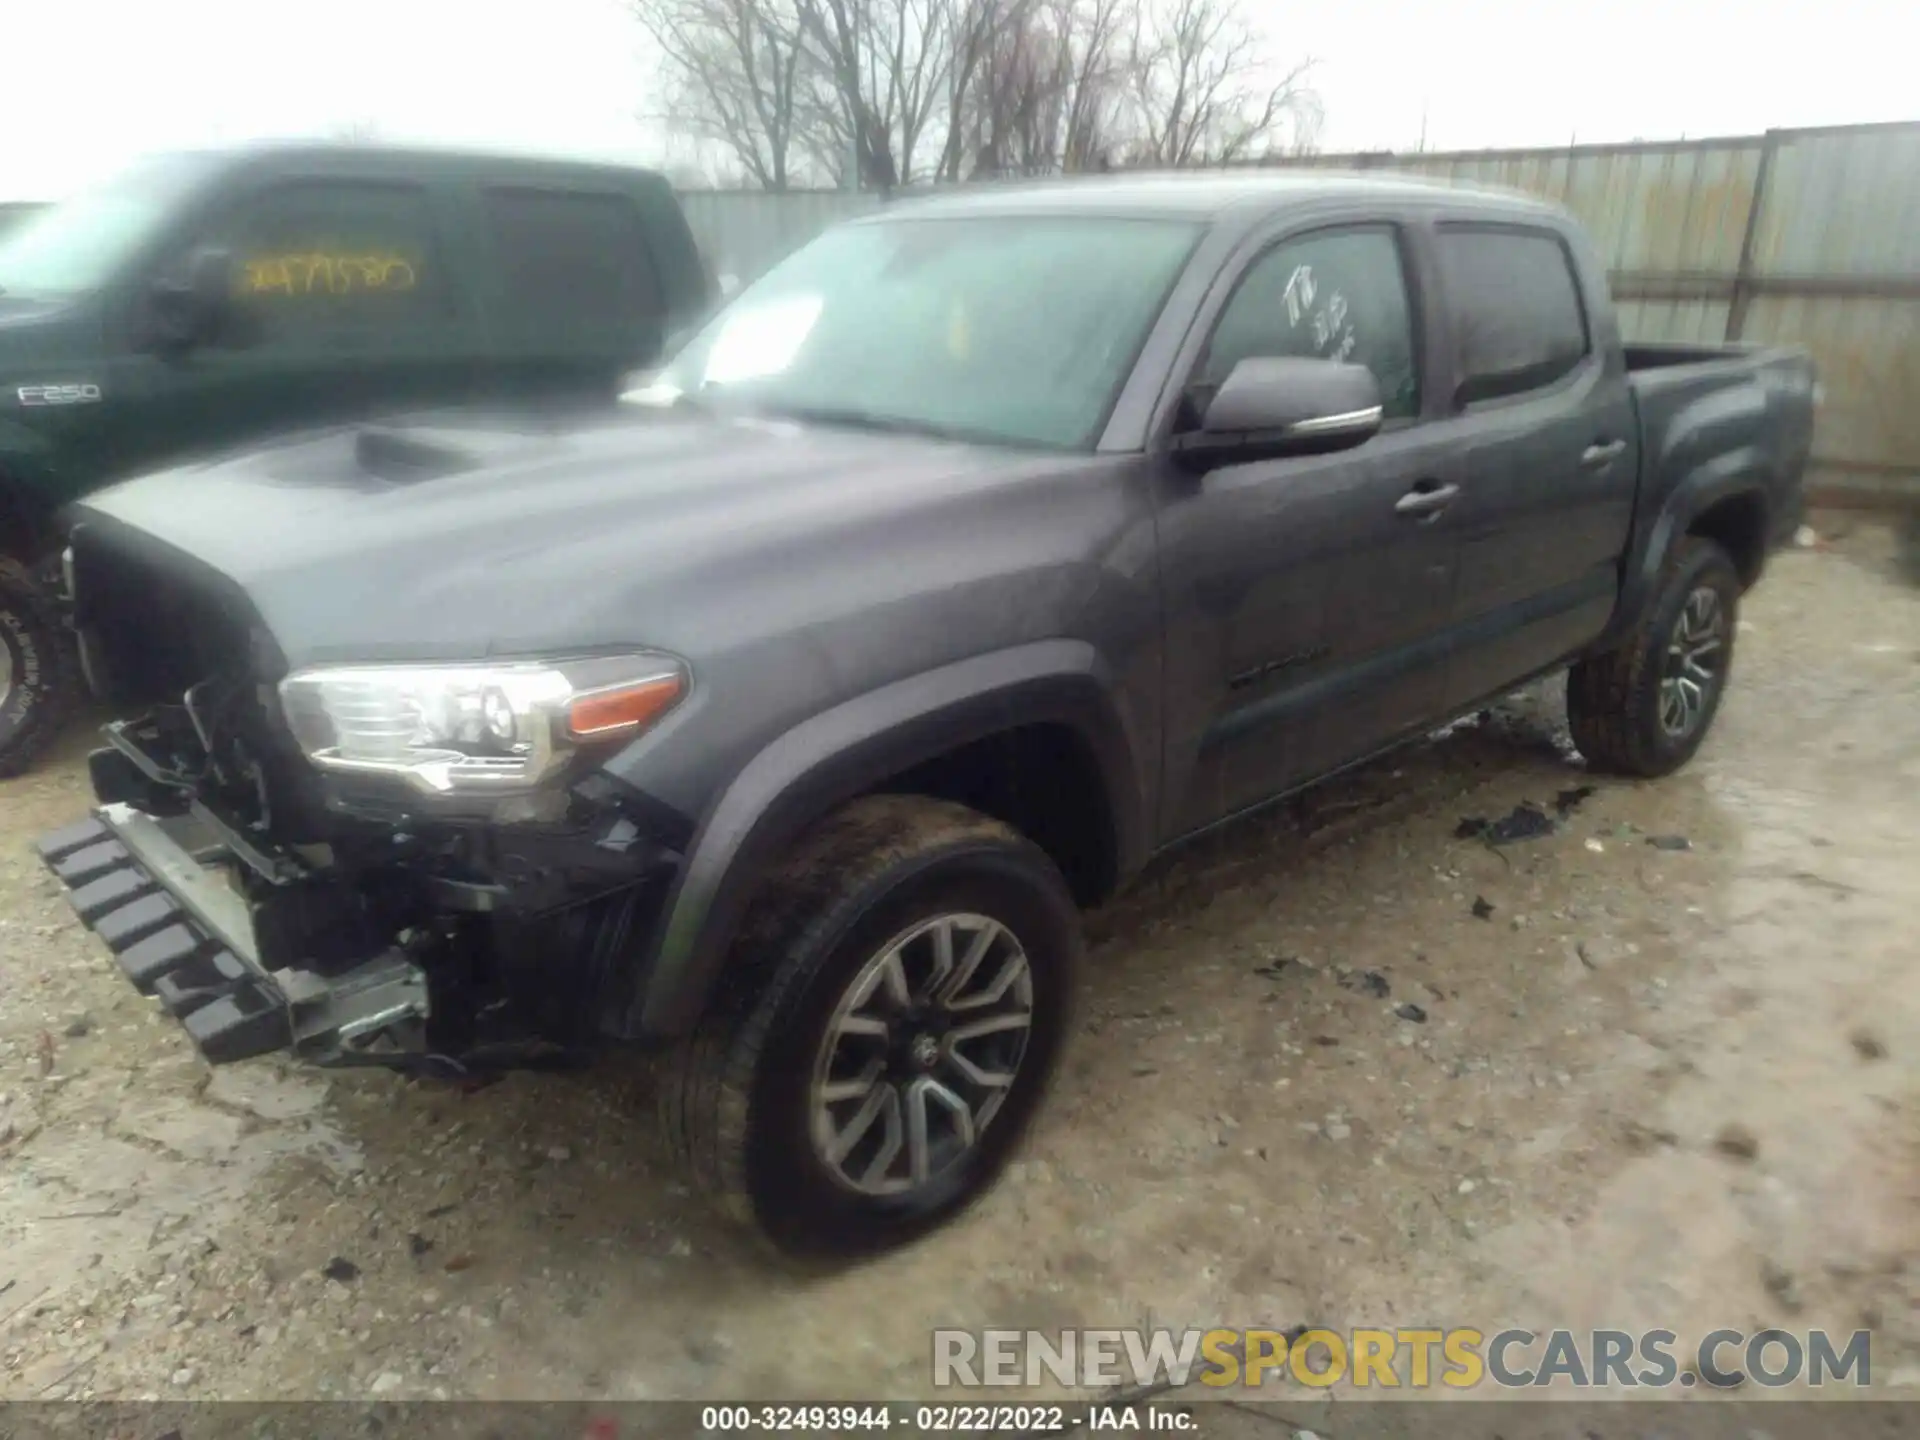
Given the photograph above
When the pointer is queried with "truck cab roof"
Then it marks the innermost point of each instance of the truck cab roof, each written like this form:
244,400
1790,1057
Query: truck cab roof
1210,196
413,161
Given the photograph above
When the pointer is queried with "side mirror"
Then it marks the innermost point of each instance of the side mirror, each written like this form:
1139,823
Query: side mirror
1271,407
195,307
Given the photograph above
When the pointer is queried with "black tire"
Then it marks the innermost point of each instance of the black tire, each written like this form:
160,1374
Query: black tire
1615,701
736,1099
39,668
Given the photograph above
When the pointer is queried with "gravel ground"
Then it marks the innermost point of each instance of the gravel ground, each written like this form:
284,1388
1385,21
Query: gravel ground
1341,1066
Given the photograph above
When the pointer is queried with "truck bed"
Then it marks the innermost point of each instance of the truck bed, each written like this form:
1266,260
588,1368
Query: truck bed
1745,406
1662,355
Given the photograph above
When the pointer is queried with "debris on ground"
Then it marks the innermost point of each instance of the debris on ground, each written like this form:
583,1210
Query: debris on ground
1669,842
1738,1141
1365,982
341,1270
1481,909
1526,821
1413,1012
1780,1284
1597,952
1568,801
1867,1045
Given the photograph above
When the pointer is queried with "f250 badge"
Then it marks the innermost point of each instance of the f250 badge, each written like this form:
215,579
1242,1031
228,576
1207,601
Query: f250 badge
59,394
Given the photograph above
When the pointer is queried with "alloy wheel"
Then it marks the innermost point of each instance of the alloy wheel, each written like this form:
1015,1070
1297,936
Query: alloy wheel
1695,662
921,1053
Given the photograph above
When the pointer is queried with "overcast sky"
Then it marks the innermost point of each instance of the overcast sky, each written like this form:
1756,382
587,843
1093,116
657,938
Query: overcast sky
90,83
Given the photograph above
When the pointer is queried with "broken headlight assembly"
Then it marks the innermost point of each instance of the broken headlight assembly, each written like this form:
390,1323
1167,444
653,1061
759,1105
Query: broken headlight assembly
479,728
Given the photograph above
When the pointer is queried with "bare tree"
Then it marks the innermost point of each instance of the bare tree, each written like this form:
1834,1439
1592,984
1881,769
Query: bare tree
971,26
1091,83
881,66
1205,91
882,93
1045,93
735,77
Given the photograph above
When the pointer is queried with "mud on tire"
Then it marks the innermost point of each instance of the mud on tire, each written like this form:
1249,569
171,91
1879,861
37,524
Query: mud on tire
37,669
742,1102
1615,699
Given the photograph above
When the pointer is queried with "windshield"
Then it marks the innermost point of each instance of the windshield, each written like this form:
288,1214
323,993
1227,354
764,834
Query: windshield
77,245
1013,329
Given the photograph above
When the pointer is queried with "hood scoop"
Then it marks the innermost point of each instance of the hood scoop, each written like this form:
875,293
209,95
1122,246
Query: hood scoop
405,455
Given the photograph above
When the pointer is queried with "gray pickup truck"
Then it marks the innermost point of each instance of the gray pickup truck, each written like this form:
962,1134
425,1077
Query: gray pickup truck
970,557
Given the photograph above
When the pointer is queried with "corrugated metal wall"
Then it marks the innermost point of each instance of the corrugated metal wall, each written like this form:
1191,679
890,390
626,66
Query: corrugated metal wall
1800,237
1804,237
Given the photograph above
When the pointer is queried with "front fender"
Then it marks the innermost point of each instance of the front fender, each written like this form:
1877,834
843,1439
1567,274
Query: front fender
848,749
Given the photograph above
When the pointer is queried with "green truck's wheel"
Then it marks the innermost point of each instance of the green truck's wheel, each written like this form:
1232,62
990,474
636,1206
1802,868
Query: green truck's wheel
36,669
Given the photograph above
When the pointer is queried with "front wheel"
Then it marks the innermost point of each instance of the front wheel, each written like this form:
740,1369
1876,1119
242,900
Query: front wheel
896,1007
37,677
1644,707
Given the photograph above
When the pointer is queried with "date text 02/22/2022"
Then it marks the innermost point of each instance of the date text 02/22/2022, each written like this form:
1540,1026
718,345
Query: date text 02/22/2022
940,1419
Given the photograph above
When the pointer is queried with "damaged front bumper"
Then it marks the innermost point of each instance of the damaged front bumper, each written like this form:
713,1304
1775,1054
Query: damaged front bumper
155,891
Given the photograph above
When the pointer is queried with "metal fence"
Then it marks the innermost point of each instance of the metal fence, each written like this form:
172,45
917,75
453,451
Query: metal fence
1803,237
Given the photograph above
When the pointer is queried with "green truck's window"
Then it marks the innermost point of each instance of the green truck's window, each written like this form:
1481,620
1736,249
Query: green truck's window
570,259
322,256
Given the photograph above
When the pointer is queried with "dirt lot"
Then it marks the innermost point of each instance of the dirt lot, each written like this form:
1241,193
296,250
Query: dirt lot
1645,1085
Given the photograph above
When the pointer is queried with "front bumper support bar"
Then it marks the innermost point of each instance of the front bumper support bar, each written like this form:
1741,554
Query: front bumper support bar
180,933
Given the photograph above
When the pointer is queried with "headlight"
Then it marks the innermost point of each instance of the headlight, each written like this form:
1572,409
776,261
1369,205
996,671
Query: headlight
494,727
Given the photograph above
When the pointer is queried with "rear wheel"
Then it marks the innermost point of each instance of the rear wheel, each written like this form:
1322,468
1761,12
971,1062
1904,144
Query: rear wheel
895,1009
36,669
1644,707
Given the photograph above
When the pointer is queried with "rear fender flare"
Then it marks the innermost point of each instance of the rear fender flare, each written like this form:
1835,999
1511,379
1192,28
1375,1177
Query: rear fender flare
1744,472
846,750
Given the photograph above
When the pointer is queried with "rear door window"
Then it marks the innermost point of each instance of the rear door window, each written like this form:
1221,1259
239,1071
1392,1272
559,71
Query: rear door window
1515,302
570,259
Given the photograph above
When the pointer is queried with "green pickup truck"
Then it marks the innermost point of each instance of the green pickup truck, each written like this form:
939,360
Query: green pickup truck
202,301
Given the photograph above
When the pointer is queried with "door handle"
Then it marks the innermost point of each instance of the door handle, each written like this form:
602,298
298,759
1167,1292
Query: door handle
1425,500
1602,453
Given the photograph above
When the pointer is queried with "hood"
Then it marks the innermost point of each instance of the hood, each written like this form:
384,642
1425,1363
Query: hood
465,538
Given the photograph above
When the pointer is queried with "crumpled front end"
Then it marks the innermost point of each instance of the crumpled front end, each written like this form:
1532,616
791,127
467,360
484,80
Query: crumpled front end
268,905
180,933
